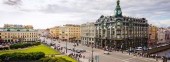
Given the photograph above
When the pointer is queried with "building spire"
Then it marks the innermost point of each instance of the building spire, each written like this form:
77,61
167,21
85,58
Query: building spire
118,3
118,11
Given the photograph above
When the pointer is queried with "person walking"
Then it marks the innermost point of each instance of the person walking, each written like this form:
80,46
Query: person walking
156,57
164,59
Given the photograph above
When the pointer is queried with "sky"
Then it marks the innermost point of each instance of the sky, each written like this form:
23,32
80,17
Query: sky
44,14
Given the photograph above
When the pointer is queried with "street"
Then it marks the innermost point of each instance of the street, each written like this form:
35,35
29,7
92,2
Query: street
112,57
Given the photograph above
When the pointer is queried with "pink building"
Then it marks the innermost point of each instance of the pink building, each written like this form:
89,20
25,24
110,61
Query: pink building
167,35
161,35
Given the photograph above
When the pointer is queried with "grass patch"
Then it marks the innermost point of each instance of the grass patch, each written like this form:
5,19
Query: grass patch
70,59
40,48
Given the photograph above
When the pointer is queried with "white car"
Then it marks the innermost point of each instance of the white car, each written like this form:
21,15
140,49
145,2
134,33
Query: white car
106,52
139,48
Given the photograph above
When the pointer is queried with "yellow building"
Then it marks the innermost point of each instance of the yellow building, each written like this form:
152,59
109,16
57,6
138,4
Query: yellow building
55,32
152,33
1,31
70,32
18,33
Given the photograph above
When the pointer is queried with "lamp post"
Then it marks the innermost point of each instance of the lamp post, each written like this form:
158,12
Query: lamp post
74,48
122,47
92,54
66,43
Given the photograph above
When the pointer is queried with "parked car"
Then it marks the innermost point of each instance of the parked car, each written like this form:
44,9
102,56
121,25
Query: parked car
138,48
69,49
130,50
82,50
106,52
78,51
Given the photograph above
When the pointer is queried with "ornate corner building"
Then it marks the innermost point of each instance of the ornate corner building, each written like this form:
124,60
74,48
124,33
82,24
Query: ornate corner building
121,32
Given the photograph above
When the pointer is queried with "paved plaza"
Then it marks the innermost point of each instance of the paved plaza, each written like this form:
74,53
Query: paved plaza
113,57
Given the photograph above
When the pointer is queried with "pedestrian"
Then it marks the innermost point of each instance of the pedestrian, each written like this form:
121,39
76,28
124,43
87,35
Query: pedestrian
83,56
156,57
80,56
129,52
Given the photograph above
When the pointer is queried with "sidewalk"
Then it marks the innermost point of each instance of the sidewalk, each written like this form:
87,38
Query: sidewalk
84,60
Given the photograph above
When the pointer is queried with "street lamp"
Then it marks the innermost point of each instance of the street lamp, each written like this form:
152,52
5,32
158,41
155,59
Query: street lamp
74,48
92,54
122,47
66,43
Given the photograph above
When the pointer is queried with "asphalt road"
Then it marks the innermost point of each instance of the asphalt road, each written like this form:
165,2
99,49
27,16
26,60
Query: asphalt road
113,57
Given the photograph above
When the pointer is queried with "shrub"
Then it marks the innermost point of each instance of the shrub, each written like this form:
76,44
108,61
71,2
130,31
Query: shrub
45,59
0,60
23,45
22,56
52,60
56,59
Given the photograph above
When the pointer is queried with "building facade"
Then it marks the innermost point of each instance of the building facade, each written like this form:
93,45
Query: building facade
1,31
161,35
12,33
152,33
40,32
88,33
55,32
70,32
121,32
167,35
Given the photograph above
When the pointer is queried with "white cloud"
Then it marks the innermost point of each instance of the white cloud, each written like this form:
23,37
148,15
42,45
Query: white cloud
48,13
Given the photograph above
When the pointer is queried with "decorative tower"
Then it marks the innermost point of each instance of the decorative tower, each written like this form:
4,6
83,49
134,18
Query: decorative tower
118,11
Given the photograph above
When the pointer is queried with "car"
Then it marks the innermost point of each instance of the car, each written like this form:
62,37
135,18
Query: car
106,52
138,48
82,50
78,51
68,48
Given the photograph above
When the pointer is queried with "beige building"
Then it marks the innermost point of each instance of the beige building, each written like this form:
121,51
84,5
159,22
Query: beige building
18,33
88,33
161,35
152,33
55,32
70,32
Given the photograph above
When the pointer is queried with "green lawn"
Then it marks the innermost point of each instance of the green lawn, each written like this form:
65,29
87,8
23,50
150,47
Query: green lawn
70,59
41,48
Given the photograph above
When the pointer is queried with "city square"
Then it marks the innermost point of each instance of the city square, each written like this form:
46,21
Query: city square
84,31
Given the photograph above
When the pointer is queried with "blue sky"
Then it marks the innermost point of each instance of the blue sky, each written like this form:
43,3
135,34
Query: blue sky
49,13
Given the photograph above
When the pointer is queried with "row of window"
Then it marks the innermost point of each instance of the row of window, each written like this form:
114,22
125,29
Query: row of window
87,30
74,28
17,30
19,33
88,34
141,32
19,36
88,39
73,31
123,36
